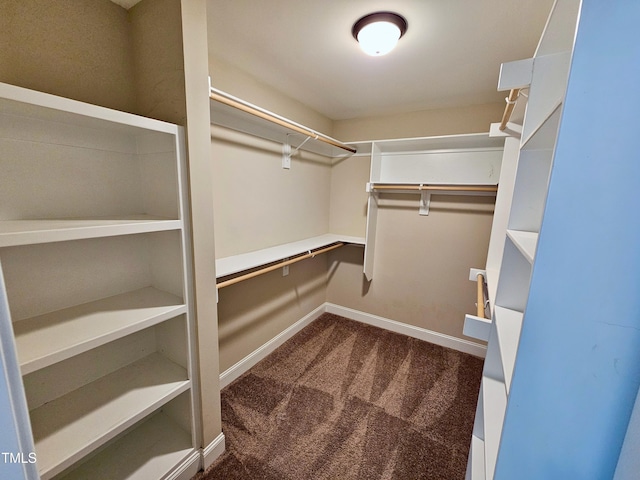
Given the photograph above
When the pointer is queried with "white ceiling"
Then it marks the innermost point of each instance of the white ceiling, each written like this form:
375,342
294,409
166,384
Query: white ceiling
449,57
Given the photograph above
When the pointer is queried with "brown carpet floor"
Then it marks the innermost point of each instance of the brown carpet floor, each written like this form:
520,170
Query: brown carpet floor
344,400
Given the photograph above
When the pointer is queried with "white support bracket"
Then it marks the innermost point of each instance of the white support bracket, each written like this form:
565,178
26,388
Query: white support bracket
512,130
515,74
474,272
286,155
473,276
477,327
425,201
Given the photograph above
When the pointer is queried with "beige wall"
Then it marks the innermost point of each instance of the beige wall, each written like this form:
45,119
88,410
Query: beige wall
78,49
252,312
348,201
425,123
158,62
421,264
259,204
241,84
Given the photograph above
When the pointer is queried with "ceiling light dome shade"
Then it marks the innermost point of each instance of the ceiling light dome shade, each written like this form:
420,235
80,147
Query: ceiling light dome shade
378,33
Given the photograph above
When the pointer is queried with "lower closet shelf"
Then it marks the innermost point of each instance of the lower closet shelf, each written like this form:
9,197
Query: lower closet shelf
70,427
148,452
246,261
53,337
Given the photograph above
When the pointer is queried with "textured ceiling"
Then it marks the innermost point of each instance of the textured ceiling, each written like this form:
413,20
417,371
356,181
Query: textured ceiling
449,57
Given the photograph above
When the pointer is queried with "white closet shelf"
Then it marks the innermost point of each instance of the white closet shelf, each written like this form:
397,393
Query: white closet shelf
232,112
494,405
508,326
28,232
544,136
70,427
525,242
46,339
151,450
44,106
443,143
246,261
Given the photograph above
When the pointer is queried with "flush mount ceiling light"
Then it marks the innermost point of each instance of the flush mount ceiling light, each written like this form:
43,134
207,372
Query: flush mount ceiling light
378,33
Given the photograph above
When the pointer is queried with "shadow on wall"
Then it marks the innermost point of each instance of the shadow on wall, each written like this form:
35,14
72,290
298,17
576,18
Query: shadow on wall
351,255
269,297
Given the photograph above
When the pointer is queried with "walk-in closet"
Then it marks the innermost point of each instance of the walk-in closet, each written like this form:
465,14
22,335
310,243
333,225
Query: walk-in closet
238,242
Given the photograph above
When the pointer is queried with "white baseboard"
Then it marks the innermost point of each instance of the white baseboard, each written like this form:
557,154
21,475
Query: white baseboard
187,469
465,346
430,336
212,451
235,371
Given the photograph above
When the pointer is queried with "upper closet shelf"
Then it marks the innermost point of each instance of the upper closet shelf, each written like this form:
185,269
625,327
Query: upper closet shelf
471,159
246,261
231,112
22,102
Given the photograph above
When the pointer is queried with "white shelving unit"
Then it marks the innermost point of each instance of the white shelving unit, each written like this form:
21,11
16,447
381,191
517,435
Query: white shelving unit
94,254
517,223
453,160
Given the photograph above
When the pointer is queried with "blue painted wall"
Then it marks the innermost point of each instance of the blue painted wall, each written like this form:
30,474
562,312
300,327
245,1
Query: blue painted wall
578,365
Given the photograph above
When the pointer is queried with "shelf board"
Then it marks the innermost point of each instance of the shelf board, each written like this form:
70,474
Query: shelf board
245,117
472,141
44,106
151,450
70,427
494,406
544,136
525,242
46,339
246,261
508,325
28,232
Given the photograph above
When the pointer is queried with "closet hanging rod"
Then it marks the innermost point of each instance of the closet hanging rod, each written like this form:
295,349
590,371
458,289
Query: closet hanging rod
421,187
278,265
508,110
230,100
480,303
